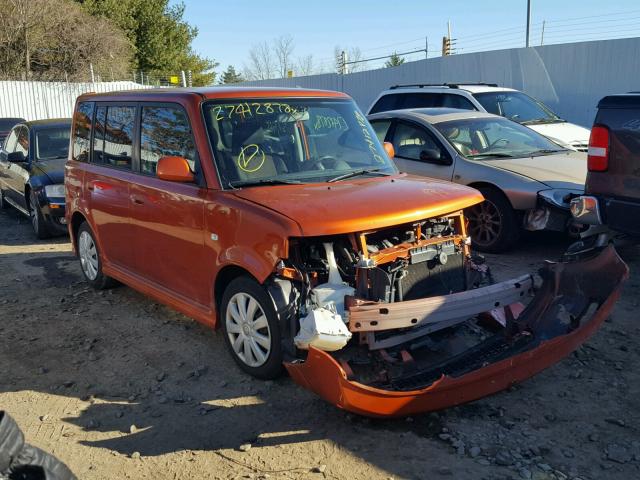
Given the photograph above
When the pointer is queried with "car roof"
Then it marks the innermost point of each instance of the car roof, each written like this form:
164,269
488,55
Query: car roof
433,115
471,88
622,100
51,122
210,93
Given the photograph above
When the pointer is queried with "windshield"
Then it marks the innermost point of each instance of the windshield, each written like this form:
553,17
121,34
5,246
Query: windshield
52,143
270,141
517,106
480,138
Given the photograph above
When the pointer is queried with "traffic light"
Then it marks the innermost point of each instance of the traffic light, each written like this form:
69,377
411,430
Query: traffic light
446,46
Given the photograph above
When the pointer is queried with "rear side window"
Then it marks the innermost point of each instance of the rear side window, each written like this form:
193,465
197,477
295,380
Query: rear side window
82,132
420,100
456,101
165,131
385,103
113,139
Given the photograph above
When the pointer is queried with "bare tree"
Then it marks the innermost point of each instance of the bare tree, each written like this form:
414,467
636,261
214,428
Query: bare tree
56,39
305,65
283,49
261,63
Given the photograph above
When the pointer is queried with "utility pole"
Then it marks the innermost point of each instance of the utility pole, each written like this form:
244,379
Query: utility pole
528,20
449,31
542,36
426,47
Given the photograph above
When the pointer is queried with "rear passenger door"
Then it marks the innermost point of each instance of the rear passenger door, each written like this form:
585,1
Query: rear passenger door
168,217
16,173
107,179
418,152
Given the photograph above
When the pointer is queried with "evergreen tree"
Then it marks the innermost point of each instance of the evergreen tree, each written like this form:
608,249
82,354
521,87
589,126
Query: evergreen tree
230,76
394,60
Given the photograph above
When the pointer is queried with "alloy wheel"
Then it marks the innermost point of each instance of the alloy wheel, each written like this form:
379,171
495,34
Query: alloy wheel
248,330
88,254
485,224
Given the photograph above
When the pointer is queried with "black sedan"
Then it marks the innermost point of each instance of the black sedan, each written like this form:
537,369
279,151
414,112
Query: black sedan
32,173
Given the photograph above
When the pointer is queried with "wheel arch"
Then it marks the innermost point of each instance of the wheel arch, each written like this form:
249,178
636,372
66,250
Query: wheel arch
226,275
492,186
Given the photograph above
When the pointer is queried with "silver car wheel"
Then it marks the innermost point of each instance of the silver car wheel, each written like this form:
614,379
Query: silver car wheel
88,254
485,224
248,330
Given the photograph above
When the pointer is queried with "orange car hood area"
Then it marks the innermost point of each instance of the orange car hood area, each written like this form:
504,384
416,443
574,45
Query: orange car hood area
363,204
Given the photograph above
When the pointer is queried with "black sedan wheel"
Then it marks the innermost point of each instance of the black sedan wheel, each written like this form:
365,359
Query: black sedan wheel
37,219
493,224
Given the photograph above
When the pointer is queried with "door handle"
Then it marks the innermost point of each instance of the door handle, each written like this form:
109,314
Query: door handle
91,187
137,201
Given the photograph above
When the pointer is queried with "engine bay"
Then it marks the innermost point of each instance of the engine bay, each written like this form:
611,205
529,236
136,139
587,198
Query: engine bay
390,302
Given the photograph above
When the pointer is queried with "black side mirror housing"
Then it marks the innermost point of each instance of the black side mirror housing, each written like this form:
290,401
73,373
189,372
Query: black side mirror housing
434,155
16,157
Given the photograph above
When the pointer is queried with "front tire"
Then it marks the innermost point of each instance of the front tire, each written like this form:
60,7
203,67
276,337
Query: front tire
493,224
251,329
38,222
90,259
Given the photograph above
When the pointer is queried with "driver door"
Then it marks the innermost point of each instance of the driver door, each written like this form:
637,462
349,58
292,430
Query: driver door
14,174
418,152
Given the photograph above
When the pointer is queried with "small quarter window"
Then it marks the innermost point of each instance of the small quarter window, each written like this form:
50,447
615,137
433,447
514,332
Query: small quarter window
82,132
165,131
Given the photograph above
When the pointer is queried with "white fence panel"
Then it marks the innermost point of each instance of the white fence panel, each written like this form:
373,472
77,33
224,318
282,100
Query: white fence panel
41,100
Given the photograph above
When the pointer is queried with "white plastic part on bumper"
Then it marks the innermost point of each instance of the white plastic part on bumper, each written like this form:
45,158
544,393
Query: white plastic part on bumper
322,329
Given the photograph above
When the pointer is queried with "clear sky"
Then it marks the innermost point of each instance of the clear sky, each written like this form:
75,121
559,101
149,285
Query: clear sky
228,29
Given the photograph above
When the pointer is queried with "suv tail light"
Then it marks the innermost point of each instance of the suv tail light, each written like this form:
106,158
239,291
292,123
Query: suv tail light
598,153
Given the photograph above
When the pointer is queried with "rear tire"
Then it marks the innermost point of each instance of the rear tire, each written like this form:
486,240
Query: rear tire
493,224
38,222
251,329
91,259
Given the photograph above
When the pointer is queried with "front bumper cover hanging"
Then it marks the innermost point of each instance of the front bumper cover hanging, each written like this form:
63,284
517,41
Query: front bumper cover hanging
571,304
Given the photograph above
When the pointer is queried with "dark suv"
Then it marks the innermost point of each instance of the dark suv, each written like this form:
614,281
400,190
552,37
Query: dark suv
612,190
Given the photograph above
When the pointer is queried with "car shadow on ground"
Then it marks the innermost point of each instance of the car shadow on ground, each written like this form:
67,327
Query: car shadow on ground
151,381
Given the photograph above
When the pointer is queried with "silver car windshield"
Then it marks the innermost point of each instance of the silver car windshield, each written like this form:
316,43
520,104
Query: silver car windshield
290,140
484,138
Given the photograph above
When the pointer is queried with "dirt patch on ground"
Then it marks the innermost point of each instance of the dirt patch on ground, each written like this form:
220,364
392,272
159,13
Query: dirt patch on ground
118,386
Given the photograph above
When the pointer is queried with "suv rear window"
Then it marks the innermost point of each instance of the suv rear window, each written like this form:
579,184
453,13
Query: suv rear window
385,103
396,101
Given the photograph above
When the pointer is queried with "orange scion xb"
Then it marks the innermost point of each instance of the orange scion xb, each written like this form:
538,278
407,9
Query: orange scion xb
276,216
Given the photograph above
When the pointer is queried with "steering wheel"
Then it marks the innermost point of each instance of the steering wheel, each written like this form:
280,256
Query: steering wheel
493,144
319,163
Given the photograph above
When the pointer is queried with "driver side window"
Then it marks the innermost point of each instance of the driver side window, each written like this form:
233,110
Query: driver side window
414,143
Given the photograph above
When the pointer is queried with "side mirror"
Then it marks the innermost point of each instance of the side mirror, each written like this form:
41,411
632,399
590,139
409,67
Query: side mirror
431,155
388,147
16,157
175,169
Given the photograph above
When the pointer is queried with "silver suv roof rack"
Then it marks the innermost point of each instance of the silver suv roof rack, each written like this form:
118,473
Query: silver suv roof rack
450,85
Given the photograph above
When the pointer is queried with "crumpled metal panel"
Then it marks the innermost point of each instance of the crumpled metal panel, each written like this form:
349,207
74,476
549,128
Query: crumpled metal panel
559,318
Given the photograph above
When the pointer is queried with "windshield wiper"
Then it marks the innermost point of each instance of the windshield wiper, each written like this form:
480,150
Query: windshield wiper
357,173
547,151
495,154
542,120
264,181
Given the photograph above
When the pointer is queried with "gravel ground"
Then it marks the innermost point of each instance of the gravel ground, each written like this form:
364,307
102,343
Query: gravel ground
118,386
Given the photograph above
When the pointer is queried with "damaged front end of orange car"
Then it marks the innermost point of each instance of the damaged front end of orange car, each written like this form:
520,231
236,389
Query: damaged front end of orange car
404,319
